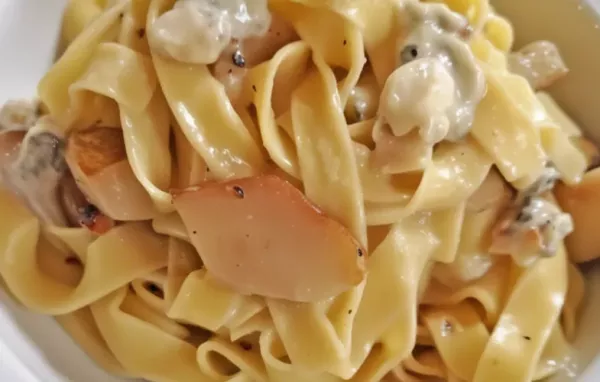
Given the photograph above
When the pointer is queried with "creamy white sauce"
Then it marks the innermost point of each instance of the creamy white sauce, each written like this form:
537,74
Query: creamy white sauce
234,35
539,214
433,58
467,268
553,224
34,175
545,182
191,32
419,94
248,18
540,63
18,114
198,31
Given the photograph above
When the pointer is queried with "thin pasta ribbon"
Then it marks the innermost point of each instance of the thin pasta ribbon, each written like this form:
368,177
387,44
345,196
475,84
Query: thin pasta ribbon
106,267
205,114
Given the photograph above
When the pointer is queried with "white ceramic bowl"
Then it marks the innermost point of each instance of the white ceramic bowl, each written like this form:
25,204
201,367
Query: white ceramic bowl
33,348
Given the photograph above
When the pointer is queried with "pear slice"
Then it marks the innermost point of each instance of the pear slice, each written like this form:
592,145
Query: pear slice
260,235
98,162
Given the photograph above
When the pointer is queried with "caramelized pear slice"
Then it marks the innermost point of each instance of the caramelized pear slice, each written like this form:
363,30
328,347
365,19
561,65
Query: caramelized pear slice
261,236
98,160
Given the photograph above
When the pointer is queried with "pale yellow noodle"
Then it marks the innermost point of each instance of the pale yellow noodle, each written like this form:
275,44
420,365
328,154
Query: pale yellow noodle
134,342
105,271
519,337
205,114
53,89
273,97
456,327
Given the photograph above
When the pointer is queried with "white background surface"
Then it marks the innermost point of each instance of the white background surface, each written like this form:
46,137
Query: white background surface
29,351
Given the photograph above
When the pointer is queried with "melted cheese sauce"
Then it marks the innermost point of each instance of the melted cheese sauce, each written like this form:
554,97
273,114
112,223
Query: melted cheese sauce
32,167
554,225
198,31
433,58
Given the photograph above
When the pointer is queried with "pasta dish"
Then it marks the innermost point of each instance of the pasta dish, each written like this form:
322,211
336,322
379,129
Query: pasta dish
300,191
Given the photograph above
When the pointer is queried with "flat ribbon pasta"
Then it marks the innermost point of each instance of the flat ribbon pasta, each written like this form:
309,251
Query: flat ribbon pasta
127,77
446,182
386,316
488,291
519,337
125,333
320,136
332,37
506,133
113,260
275,81
54,87
205,114
457,327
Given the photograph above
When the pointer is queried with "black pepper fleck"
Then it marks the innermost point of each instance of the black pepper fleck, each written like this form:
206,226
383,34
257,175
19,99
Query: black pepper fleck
238,59
527,338
409,53
88,215
360,252
141,32
246,345
254,87
345,42
195,232
230,71
350,311
121,15
239,192
155,290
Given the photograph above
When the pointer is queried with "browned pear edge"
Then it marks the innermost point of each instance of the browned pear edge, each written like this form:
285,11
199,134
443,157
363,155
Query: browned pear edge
96,148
